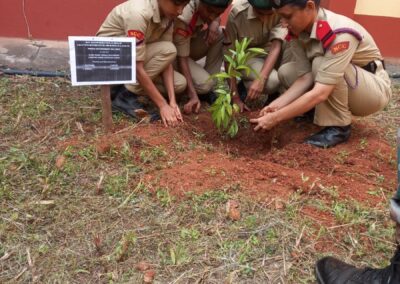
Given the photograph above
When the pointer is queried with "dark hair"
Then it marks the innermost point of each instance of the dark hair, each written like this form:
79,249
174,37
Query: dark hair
299,3
217,3
303,3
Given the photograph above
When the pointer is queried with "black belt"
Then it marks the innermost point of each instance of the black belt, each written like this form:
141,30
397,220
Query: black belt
371,66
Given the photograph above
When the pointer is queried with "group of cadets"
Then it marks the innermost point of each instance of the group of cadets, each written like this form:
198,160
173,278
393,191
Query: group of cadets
318,63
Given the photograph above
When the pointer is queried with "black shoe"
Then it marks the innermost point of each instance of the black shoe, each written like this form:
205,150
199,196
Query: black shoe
242,91
330,270
210,97
330,136
271,98
306,117
115,90
127,103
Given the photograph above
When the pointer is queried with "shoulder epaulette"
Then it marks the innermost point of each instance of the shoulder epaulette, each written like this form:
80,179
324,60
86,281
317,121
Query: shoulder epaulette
325,33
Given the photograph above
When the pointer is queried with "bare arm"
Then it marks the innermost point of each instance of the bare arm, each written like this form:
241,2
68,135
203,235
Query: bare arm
299,87
258,85
184,68
167,113
193,105
168,78
302,104
148,86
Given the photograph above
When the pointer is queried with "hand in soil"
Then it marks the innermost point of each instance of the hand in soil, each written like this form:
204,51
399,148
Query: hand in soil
193,105
266,122
268,109
255,89
177,112
242,106
169,116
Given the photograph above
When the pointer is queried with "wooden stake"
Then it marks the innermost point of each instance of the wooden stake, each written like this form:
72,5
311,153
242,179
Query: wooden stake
106,108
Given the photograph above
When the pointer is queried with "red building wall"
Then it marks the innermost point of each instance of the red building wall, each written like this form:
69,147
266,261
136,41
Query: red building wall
53,19
385,30
56,19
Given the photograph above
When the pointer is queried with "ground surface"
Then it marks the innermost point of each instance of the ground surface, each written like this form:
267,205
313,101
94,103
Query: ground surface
184,204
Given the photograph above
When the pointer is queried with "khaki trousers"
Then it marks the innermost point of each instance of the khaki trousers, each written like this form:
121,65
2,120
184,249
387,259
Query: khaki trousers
213,61
273,83
287,74
158,56
358,93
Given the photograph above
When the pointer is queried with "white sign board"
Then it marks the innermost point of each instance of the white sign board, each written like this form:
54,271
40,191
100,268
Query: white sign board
102,60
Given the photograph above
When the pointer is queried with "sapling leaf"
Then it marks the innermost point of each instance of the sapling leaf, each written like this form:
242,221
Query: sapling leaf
223,112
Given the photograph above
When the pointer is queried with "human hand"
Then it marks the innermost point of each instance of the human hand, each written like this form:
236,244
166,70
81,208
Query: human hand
168,115
177,111
265,122
268,109
255,90
193,105
242,106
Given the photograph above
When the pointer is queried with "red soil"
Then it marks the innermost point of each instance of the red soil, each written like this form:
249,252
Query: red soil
268,166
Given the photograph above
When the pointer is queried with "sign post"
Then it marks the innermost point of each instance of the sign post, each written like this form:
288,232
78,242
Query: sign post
103,61
106,108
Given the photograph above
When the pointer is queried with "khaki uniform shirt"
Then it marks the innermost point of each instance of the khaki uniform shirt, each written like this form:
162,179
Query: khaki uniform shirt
342,51
243,22
140,19
186,26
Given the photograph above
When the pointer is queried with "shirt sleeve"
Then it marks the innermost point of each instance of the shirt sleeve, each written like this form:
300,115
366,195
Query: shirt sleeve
182,38
278,32
303,64
336,59
135,25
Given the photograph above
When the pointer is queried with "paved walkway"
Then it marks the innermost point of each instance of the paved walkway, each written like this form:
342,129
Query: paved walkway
25,54
44,55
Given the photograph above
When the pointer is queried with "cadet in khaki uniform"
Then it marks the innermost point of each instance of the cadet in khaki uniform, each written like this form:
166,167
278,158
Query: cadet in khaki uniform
193,42
255,19
340,68
151,23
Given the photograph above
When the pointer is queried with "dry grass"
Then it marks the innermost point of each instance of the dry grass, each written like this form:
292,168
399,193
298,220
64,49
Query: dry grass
90,218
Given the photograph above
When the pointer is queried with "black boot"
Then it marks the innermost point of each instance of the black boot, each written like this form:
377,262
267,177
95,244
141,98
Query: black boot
330,136
210,97
330,270
115,90
127,103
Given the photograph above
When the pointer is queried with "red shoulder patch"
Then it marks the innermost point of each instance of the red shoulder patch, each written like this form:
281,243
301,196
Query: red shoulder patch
182,32
136,34
325,34
340,46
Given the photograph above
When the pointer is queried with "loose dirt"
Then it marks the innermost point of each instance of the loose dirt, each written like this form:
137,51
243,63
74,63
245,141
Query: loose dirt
268,166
